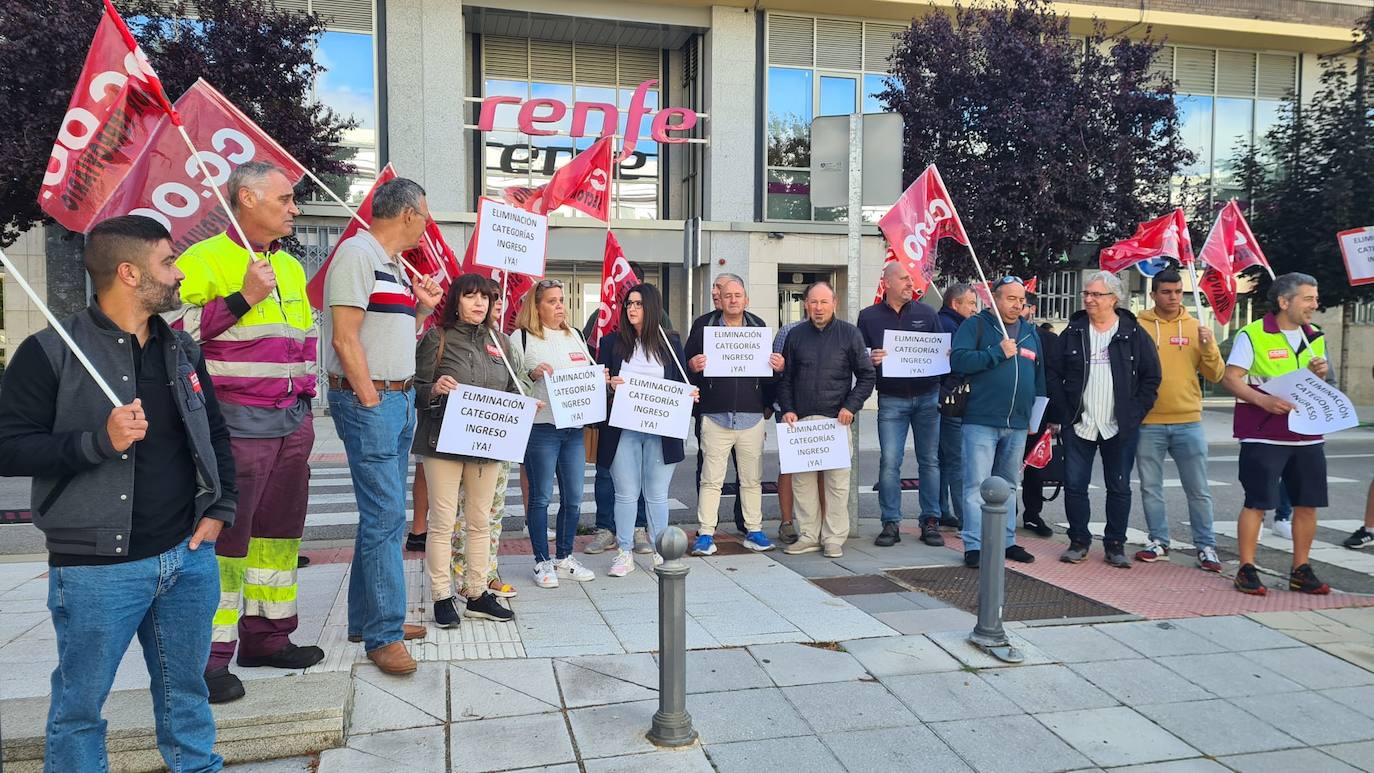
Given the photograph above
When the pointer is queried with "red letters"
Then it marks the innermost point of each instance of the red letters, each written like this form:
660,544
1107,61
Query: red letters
554,111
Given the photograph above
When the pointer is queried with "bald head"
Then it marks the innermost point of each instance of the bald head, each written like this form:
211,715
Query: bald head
898,288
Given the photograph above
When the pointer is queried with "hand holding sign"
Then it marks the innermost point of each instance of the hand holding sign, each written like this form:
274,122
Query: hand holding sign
1317,407
653,405
812,446
486,423
738,351
509,238
908,354
577,396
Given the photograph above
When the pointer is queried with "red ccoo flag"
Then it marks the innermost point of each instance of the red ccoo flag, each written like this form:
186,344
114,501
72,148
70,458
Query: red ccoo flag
1032,284
1230,248
1164,236
922,283
583,184
922,216
616,280
1041,454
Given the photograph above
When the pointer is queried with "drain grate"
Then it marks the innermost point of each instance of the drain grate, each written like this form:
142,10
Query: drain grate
1026,597
731,548
859,584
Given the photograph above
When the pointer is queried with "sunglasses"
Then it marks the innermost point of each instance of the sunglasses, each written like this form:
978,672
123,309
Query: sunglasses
545,284
1008,280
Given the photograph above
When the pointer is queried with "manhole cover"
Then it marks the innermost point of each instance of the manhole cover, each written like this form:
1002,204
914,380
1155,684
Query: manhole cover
1026,597
858,584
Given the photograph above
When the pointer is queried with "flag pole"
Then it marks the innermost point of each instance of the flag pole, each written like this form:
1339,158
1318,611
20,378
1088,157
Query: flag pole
502,350
61,331
1197,294
974,254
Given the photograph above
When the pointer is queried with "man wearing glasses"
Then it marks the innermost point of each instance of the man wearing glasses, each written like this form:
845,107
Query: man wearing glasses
1106,376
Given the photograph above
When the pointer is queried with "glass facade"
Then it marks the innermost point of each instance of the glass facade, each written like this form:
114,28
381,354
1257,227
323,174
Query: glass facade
348,86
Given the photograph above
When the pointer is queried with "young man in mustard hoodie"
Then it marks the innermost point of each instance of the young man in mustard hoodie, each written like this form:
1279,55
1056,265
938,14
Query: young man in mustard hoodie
1186,349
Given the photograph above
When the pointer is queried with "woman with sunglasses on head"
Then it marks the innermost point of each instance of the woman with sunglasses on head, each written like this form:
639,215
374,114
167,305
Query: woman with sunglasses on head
545,342
640,462
462,348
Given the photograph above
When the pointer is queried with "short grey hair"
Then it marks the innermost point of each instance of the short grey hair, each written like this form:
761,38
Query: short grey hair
1110,280
1288,285
251,176
394,197
956,291
725,277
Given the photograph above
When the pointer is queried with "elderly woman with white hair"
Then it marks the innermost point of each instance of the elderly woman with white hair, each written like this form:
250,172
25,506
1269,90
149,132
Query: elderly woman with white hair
1105,377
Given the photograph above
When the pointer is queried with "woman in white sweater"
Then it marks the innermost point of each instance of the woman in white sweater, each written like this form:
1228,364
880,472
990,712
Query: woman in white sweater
544,342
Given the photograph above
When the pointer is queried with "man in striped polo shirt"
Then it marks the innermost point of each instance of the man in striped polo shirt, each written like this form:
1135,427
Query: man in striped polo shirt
253,322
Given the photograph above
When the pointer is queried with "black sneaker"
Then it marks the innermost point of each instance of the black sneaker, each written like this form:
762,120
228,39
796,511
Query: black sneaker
1303,580
1248,581
487,607
223,685
930,533
1037,526
289,656
950,522
446,613
302,562
1076,553
415,543
971,558
1115,555
1020,554
1362,538
891,535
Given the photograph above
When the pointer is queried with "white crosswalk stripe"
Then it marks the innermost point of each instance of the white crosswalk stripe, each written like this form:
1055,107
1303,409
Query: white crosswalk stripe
1324,552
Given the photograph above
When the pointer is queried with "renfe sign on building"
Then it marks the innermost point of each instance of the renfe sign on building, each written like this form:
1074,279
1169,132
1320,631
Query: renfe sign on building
536,114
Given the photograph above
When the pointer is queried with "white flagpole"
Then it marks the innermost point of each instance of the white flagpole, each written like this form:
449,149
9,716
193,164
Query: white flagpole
61,331
669,344
509,369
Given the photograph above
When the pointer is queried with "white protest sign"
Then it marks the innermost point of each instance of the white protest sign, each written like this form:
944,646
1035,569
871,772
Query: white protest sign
915,354
1320,408
509,238
577,396
1037,413
653,405
486,423
812,446
1357,247
737,351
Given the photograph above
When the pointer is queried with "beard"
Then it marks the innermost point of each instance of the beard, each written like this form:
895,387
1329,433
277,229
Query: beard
157,297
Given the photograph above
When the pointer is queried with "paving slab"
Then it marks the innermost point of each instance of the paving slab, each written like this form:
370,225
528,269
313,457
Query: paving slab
592,681
1195,765
1287,761
508,743
793,664
483,689
928,620
1318,720
883,602
1140,681
1014,744
1217,727
421,748
385,702
1237,633
689,760
896,655
843,706
1360,698
1038,689
613,730
956,643
1159,639
741,715
1075,643
894,750
1313,669
795,755
1361,755
949,696
1116,736
1230,674
724,669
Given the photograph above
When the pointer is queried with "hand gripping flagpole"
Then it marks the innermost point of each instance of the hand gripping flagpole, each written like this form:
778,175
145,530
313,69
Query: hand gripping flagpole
974,254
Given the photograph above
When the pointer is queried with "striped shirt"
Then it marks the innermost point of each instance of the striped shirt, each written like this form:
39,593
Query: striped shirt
1099,404
363,276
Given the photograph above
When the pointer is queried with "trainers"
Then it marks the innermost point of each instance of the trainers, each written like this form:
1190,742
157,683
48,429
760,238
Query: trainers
799,547
223,685
415,543
658,559
891,535
1115,556
545,576
1362,537
1207,559
757,541
1284,529
1019,554
1037,526
972,558
289,656
1076,553
930,533
787,533
571,568
832,551
1153,551
950,522
603,541
642,544
1303,580
551,534
622,564
704,546
1248,581
446,613
486,607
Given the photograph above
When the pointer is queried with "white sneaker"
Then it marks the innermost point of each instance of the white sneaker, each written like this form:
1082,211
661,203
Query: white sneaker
551,534
572,569
545,576
642,544
658,560
1284,529
623,564
603,541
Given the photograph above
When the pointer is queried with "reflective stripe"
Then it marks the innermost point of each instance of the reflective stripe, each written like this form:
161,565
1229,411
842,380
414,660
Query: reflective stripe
261,593
225,633
268,578
190,319
273,553
250,332
231,576
272,610
259,369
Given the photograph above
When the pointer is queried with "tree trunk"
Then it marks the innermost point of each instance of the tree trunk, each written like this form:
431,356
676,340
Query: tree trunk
67,293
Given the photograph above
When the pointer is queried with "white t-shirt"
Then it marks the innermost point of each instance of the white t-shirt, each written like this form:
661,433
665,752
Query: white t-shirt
640,364
1243,356
1099,402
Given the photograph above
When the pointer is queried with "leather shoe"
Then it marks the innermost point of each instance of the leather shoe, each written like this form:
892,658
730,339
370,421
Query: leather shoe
408,632
223,685
393,659
890,536
289,656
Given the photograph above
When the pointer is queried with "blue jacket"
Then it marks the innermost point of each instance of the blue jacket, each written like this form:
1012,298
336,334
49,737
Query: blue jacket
950,320
1002,391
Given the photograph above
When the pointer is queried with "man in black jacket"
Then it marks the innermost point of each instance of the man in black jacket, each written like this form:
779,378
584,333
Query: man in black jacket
1032,480
826,374
1105,375
130,500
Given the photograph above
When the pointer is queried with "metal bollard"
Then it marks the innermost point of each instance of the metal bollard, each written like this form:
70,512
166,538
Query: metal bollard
988,635
672,725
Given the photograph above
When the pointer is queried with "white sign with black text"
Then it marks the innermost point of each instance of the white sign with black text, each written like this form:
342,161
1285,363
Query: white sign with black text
577,396
1320,408
812,446
486,423
911,354
737,351
509,238
653,405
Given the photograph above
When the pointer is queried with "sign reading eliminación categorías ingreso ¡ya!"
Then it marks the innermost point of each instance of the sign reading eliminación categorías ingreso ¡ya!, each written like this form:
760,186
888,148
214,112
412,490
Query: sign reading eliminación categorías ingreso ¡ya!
486,423
737,351
653,405
577,396
1320,408
509,238
915,354
812,446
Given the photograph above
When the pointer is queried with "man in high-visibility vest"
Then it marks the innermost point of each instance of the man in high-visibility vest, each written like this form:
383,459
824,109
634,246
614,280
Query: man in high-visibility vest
1281,342
255,326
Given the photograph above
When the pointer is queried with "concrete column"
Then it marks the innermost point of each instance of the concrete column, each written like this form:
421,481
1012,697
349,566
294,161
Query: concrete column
731,65
64,272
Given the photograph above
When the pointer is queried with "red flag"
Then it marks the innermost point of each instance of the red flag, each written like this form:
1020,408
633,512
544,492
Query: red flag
616,281
1032,283
984,294
921,218
922,283
113,114
1164,236
514,286
1230,248
1041,454
583,184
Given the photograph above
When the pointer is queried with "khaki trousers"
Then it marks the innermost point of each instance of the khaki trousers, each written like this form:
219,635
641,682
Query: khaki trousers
477,482
834,529
716,442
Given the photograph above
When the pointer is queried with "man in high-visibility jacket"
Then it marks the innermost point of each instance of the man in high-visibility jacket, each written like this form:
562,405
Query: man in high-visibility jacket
1281,342
255,326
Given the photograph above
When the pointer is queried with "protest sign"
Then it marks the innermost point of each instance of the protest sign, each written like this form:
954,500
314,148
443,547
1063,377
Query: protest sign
1357,247
653,405
1320,408
509,238
1037,413
577,396
813,446
915,354
486,423
737,351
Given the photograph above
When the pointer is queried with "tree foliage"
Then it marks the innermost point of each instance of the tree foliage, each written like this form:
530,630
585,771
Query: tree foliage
260,57
1042,140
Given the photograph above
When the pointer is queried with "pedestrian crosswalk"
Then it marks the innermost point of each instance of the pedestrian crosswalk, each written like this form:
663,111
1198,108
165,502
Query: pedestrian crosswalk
1323,552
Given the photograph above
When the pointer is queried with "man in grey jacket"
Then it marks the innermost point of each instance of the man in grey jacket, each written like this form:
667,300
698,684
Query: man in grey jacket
130,500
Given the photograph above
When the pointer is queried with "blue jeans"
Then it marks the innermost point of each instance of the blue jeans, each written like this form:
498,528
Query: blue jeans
169,600
552,450
920,414
604,492
1187,444
377,441
639,469
989,451
1118,454
952,466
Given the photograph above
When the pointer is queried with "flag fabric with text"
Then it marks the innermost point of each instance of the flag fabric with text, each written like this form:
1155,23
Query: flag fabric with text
922,216
616,280
1230,248
921,282
1166,236
1041,454
584,184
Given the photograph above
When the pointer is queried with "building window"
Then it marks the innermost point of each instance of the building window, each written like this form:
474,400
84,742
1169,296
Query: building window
348,86
816,67
1059,294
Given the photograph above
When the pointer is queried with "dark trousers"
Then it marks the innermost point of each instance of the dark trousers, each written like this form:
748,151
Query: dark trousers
1118,456
1032,492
